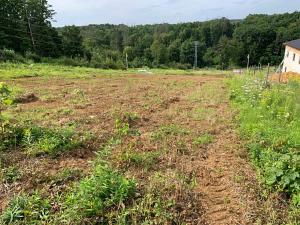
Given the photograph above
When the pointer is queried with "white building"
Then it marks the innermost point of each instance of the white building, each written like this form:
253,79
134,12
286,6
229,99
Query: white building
291,61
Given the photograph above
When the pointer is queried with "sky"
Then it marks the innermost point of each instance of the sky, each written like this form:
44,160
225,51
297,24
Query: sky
135,12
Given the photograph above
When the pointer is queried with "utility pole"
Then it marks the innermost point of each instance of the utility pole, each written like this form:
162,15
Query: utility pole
196,55
126,61
248,57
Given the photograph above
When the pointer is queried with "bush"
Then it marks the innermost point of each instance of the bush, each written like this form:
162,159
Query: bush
32,56
7,55
5,94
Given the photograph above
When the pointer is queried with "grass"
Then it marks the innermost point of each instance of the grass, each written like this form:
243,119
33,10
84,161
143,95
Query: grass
168,131
26,209
146,160
10,174
11,70
35,140
204,139
269,120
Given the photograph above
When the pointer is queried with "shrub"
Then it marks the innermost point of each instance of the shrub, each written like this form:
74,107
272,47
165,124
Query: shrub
32,56
7,55
5,94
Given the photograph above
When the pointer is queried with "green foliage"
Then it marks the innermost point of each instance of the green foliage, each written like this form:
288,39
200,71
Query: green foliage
36,140
104,189
40,141
269,118
204,139
140,159
15,35
5,94
124,125
67,175
150,209
10,174
169,131
26,209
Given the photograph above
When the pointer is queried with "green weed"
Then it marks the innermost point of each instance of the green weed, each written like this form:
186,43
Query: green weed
26,209
36,140
104,189
204,139
10,174
269,119
169,131
140,159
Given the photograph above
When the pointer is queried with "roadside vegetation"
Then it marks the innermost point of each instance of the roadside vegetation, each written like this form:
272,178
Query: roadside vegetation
269,121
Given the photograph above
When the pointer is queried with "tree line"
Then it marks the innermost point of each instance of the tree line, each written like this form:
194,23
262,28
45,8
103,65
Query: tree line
25,27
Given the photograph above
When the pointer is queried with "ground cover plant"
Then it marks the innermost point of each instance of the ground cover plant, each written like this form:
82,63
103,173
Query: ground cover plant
269,120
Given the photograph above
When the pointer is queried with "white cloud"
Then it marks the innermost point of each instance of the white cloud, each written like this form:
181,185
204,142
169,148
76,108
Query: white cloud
132,12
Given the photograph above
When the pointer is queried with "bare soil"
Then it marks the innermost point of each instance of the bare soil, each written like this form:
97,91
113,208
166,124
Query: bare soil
226,186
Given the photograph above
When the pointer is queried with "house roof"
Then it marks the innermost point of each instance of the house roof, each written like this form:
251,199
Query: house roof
294,44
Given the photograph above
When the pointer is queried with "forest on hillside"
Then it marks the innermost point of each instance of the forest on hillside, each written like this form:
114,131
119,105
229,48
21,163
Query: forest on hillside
27,34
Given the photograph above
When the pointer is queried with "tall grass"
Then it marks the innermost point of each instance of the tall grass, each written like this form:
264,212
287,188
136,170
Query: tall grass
270,119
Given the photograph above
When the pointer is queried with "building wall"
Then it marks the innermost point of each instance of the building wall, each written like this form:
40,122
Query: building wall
291,60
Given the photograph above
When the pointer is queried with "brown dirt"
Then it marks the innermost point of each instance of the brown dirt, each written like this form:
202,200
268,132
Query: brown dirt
226,184
27,98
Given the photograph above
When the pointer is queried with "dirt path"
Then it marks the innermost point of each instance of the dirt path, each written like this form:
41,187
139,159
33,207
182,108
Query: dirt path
226,178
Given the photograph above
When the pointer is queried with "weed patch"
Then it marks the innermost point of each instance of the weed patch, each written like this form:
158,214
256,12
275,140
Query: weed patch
204,139
269,119
36,140
104,189
10,174
140,159
26,209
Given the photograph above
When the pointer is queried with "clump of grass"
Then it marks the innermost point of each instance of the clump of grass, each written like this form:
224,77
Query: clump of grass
169,131
103,190
36,140
5,94
204,139
40,141
25,209
124,125
150,209
10,174
140,159
67,175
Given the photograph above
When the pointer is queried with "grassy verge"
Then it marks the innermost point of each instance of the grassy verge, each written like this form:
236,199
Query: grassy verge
269,120
11,70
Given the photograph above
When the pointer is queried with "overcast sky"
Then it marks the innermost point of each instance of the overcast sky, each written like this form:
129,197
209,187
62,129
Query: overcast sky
133,12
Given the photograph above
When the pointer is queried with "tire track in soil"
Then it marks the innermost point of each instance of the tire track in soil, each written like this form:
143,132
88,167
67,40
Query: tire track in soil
227,180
